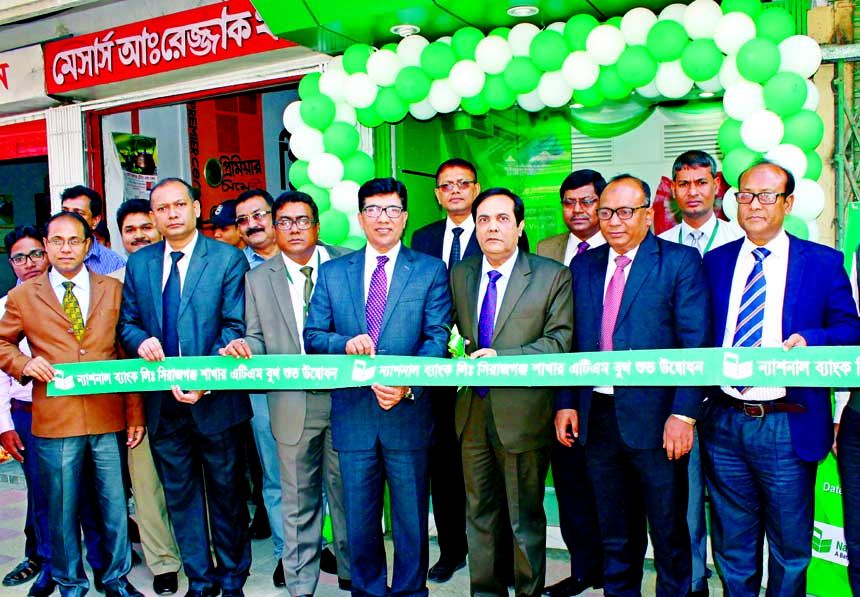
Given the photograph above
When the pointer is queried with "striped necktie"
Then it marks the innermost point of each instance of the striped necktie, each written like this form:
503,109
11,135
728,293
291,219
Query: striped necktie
748,331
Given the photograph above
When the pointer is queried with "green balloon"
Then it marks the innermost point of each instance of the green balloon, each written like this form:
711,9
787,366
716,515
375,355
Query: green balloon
774,24
548,50
355,58
666,40
358,167
758,60
611,85
736,161
576,30
464,41
437,59
784,93
729,135
412,84
636,66
334,226
615,22
299,174
309,86
389,106
354,242
588,98
319,195
813,165
475,105
796,226
318,111
390,46
341,139
750,7
368,116
497,93
521,75
502,32
804,129
701,59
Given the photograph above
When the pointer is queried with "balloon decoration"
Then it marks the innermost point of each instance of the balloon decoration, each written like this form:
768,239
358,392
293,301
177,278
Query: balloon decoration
748,53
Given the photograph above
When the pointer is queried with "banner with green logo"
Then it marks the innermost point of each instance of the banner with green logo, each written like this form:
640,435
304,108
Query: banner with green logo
828,573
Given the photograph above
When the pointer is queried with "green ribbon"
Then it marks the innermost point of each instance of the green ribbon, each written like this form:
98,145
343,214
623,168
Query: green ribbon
828,366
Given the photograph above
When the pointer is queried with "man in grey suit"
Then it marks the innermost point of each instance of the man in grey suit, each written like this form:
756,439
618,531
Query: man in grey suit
186,296
507,302
277,296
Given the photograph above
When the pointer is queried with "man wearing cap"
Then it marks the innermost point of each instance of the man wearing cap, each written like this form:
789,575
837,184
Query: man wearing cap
222,220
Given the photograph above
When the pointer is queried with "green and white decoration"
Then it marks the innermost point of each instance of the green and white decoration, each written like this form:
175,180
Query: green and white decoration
747,52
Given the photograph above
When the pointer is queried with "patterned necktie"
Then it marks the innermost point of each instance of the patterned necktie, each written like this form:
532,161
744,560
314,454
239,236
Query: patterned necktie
170,298
309,288
377,296
454,257
73,310
581,248
696,237
748,330
612,302
487,318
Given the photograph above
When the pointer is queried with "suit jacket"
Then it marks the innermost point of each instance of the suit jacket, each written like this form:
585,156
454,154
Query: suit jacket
415,323
535,317
33,311
554,247
272,329
211,314
429,239
818,306
665,305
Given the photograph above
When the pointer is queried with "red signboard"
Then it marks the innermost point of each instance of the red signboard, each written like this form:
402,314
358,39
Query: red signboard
190,38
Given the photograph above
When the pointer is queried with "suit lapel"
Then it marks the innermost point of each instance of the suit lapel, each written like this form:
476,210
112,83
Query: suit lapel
796,265
47,296
355,279
597,279
196,267
402,271
283,298
97,295
645,261
558,247
472,279
516,286
472,247
438,238
722,289
155,273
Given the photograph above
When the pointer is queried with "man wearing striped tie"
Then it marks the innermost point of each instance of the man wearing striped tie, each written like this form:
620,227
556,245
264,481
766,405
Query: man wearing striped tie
761,445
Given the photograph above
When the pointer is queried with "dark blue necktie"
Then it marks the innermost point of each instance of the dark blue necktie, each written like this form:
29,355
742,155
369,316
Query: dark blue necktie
170,298
487,318
454,257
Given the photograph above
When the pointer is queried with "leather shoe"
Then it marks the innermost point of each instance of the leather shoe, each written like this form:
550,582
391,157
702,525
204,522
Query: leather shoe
124,589
443,571
571,586
700,593
344,584
212,591
98,579
43,586
278,576
165,584
328,562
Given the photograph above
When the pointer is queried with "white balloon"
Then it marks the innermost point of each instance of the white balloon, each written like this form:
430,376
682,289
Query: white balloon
813,231
605,44
530,101
445,39
650,90
712,85
557,26
360,90
729,74
325,170
701,18
409,50
579,70
493,54
335,63
799,54
762,130
553,90
812,96
673,12
306,143
672,81
730,204
345,113
422,110
808,200
293,117
344,196
383,66
636,24
354,225
521,37
733,30
333,84
743,99
442,96
466,78
790,157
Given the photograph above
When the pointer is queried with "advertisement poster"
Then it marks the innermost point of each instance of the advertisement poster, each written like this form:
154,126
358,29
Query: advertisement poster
138,157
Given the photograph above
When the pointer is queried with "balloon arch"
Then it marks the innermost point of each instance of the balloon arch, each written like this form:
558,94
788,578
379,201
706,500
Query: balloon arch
747,52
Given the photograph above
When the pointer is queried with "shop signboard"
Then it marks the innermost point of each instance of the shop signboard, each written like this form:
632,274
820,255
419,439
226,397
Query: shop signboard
22,81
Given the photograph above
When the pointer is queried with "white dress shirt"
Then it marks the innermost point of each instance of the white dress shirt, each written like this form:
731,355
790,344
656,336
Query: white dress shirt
722,232
183,263
296,280
506,269
573,245
468,226
610,270
370,255
81,289
10,388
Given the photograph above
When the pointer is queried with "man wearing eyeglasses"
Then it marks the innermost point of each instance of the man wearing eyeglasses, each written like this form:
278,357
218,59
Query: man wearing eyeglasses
277,297
637,292
385,299
579,192
761,445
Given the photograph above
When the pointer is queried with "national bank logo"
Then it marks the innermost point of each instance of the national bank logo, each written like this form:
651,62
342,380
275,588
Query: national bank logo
828,543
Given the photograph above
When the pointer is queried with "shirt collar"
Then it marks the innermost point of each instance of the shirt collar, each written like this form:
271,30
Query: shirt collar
81,279
595,240
468,226
778,245
707,227
295,268
186,250
392,253
506,269
631,254
96,250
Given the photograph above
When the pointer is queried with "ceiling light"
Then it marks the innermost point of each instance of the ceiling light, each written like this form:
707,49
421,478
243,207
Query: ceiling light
706,94
405,30
577,106
522,11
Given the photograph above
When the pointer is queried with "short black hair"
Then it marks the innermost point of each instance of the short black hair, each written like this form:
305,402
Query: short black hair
694,158
581,178
381,186
19,232
519,206
192,194
295,197
76,191
129,207
789,177
642,185
457,163
102,230
88,233
251,193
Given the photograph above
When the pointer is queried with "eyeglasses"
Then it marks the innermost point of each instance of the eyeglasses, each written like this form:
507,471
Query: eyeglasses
583,201
36,256
374,211
624,213
73,242
257,216
766,198
460,185
301,223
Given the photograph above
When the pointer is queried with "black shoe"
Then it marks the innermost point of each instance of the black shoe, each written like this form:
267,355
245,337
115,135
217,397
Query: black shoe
43,586
212,591
443,571
571,586
260,528
133,531
278,576
328,561
98,579
124,589
344,584
165,584
700,593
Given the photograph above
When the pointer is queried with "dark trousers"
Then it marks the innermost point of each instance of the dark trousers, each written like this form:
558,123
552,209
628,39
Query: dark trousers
631,485
848,447
37,545
202,476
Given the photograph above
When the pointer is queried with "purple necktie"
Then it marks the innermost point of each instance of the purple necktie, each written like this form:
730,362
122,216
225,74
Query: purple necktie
612,302
487,318
377,295
581,248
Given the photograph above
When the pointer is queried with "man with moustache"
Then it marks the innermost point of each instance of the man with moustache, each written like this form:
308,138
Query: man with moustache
277,297
136,224
579,192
